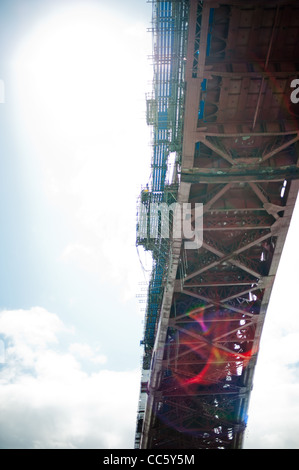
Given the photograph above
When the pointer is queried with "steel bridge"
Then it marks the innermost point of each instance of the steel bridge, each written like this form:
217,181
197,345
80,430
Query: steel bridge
223,110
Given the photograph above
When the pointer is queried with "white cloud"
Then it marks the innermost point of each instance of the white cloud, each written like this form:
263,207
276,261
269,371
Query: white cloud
274,404
47,400
85,351
273,417
27,326
25,335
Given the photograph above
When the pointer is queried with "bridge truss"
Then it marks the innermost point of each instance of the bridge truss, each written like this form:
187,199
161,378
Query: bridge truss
223,73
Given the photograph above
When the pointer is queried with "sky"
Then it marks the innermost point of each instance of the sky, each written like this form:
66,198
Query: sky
75,150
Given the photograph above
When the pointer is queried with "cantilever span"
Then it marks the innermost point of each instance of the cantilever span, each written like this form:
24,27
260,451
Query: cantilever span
222,108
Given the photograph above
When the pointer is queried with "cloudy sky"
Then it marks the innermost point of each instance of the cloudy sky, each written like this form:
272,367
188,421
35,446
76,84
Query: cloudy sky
74,153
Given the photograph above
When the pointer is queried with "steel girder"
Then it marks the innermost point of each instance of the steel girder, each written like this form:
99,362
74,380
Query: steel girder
240,159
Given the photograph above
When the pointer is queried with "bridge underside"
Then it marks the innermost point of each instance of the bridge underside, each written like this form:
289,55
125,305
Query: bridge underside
239,157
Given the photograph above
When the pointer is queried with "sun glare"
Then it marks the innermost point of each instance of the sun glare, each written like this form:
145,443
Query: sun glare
78,90
78,79
66,69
